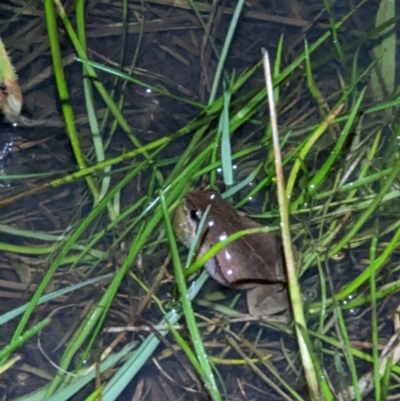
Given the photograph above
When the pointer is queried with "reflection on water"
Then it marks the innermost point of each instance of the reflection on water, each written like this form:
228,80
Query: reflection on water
6,145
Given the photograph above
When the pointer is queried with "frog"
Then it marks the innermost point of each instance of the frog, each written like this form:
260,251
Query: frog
252,263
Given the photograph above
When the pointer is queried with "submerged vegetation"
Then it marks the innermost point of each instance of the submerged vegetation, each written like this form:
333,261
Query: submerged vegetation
158,99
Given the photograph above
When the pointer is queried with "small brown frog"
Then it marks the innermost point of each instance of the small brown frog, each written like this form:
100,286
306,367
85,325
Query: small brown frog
252,262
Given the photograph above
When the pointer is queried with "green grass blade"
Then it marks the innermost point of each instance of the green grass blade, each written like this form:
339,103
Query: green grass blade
226,152
225,49
206,372
383,77
374,316
18,342
63,92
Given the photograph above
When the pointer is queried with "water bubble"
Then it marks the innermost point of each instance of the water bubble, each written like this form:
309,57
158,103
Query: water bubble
311,294
348,299
87,362
338,256
353,311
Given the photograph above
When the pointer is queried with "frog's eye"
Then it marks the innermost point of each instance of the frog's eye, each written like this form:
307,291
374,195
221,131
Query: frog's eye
195,215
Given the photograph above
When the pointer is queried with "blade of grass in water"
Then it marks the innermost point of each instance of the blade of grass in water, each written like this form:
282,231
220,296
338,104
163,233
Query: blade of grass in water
307,147
99,313
6,317
352,189
225,49
374,316
91,109
315,93
81,380
79,336
63,252
100,88
322,173
251,106
386,380
206,372
335,36
384,75
237,121
147,228
126,77
277,68
100,166
243,184
64,94
226,152
40,250
129,370
315,379
96,395
345,339
367,214
14,345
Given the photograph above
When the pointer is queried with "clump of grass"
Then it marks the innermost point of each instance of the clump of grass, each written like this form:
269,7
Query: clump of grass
340,179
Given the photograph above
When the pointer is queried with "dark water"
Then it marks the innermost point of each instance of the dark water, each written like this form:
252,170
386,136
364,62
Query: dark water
173,57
